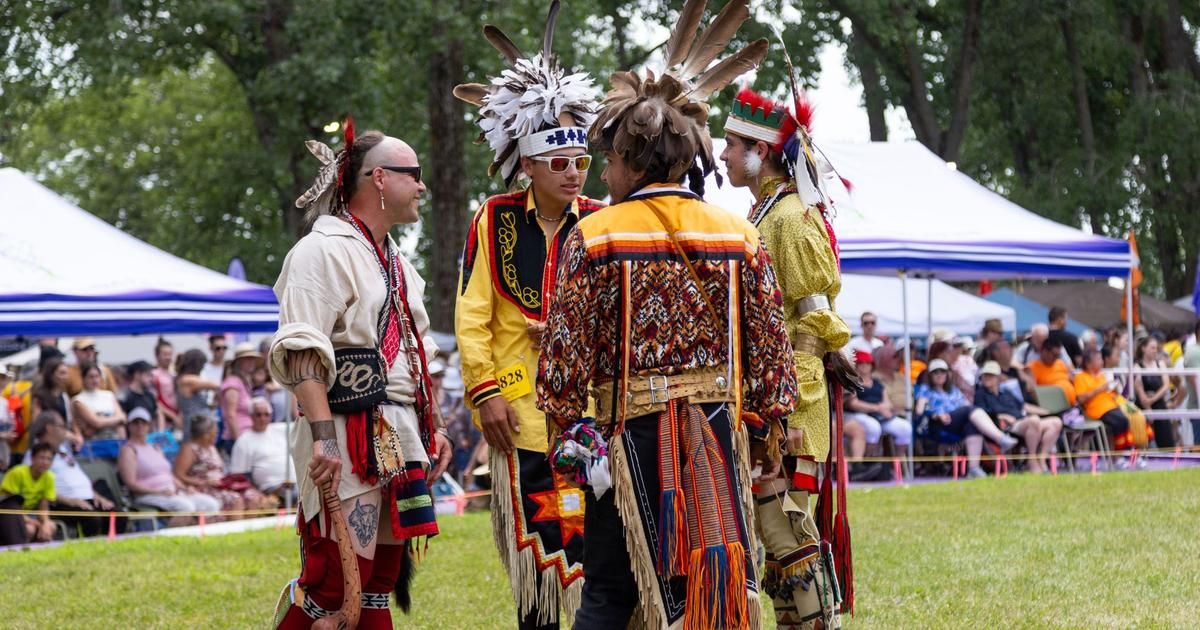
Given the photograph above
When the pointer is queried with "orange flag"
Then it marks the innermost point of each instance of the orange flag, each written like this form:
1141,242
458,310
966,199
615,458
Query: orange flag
1135,279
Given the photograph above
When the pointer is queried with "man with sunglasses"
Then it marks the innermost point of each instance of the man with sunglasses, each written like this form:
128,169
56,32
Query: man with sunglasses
214,369
867,341
507,280
353,345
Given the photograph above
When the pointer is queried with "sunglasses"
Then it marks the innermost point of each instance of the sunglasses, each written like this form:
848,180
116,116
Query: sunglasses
88,349
415,171
869,323
559,163
219,348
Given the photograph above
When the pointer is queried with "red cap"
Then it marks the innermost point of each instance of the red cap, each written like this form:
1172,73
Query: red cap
863,357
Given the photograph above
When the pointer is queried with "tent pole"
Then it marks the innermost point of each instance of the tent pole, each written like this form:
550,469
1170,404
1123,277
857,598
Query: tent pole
908,389
929,305
1129,328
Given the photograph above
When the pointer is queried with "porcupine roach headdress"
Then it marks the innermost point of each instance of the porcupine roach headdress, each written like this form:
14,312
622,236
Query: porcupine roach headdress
661,123
327,195
534,106
789,133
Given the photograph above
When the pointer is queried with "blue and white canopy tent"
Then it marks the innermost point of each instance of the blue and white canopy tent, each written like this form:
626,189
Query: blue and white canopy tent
65,272
912,214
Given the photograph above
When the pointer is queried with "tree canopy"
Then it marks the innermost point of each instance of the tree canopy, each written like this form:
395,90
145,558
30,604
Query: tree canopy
183,122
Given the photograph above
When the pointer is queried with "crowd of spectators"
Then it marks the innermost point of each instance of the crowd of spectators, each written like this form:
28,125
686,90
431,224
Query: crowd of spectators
197,432
189,433
978,394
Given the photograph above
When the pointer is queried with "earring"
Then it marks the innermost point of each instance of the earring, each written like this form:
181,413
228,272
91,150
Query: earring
382,205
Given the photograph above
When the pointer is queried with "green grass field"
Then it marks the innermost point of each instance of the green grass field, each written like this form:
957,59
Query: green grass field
1118,550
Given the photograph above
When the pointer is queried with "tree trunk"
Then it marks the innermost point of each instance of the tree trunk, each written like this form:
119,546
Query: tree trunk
1083,115
952,139
873,96
446,178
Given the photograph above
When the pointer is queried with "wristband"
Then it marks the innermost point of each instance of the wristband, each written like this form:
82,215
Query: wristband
322,430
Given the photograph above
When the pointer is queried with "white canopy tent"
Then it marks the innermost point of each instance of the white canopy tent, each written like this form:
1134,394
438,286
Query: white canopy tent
956,310
66,272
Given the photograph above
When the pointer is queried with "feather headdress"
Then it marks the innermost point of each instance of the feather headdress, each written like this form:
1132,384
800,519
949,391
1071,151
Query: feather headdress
662,122
327,195
534,106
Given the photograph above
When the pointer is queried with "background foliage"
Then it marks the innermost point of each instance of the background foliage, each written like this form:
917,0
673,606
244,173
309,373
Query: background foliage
183,121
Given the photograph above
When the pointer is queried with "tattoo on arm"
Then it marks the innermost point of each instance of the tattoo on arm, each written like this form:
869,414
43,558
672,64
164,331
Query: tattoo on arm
305,365
329,448
364,518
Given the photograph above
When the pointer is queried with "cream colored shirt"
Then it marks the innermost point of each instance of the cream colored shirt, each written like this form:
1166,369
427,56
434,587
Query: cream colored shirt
331,290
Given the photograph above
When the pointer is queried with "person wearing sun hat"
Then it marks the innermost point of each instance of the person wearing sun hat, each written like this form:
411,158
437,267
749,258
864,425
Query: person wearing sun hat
942,410
535,117
86,353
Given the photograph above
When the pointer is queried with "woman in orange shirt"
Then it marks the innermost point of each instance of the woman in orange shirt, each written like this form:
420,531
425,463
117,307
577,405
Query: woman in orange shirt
1098,396
1048,369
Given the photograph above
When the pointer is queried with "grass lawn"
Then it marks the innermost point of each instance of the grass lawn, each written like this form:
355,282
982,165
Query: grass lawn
1118,550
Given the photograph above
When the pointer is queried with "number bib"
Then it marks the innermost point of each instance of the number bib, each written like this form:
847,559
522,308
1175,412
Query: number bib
514,382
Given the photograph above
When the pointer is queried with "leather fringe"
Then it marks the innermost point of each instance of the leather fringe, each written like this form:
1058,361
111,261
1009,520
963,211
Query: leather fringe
528,587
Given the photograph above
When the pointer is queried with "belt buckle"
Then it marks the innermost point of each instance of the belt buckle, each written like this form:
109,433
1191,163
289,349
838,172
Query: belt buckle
658,389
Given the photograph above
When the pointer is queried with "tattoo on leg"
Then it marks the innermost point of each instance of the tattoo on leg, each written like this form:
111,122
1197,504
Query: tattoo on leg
364,518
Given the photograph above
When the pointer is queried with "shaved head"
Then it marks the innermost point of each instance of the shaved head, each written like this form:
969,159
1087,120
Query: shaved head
389,152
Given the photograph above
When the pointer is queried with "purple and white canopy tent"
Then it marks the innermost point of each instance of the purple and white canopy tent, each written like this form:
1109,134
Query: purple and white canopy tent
65,272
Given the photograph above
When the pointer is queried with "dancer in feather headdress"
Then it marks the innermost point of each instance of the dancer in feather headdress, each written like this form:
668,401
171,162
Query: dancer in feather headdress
535,117
768,148
352,346
667,309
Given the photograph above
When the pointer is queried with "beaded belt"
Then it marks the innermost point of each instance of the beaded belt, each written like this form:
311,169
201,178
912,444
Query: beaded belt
650,394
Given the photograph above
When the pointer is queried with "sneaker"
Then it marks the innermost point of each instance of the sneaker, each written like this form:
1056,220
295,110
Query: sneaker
1142,464
1121,463
1007,443
976,473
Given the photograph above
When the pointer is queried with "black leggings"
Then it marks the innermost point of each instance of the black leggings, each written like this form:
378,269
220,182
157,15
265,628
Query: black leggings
1115,422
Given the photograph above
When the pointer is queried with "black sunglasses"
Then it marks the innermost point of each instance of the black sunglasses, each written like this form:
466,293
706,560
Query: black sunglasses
415,171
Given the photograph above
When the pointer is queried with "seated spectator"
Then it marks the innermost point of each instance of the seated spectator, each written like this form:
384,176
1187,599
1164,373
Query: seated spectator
147,474
964,366
1057,319
887,371
281,403
943,409
1098,395
873,411
192,390
51,395
86,354
100,415
261,452
1050,369
34,483
1013,414
1015,378
992,330
199,468
235,390
73,490
140,393
867,341
163,383
1152,390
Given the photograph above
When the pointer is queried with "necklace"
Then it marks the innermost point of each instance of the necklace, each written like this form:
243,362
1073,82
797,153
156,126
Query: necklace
548,219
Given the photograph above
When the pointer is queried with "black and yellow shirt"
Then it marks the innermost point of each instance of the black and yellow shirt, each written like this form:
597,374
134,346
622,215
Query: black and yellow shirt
508,272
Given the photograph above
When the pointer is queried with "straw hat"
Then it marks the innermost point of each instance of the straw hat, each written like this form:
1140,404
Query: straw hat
246,350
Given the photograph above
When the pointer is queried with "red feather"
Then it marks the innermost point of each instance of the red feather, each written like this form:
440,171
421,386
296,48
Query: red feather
849,186
804,111
347,144
758,102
